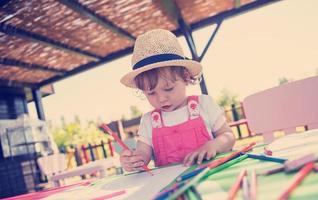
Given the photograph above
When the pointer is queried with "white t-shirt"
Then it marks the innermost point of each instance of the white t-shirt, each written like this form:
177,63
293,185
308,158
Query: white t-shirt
210,112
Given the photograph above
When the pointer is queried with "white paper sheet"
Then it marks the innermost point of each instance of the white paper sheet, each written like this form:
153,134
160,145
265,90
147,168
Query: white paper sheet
295,145
137,186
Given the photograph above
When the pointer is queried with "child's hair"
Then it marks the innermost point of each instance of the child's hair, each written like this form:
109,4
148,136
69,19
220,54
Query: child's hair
148,80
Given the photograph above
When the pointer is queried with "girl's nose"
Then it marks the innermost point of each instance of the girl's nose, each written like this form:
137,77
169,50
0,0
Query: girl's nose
162,98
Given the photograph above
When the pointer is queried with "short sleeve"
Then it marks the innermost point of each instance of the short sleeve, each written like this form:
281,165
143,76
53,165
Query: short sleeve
145,129
212,110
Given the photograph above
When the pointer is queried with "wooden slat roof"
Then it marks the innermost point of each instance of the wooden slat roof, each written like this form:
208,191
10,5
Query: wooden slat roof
43,41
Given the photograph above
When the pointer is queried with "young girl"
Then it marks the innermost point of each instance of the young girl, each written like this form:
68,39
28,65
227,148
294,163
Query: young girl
181,128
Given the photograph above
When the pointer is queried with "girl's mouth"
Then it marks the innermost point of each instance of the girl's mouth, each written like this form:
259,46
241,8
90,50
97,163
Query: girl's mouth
165,107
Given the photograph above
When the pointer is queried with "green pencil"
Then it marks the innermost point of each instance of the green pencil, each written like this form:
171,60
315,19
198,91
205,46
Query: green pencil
191,195
205,174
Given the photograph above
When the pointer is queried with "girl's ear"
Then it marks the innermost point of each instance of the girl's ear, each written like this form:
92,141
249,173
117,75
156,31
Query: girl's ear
186,77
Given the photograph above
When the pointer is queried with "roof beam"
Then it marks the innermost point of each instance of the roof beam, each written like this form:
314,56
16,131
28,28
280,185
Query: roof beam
175,14
30,66
4,2
11,30
171,8
232,13
84,11
11,83
88,66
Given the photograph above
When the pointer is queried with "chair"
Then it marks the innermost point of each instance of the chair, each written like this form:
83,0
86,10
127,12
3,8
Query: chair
284,107
54,167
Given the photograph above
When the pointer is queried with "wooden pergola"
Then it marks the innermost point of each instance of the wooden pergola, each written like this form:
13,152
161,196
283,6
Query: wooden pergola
45,41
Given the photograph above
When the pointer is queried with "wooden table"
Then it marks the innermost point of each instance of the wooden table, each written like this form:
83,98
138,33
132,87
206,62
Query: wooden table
96,166
269,187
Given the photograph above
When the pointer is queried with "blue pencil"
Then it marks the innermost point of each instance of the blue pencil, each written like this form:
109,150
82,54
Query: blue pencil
165,193
214,170
266,158
190,174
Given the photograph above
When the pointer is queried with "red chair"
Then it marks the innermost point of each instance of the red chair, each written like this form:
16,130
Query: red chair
284,107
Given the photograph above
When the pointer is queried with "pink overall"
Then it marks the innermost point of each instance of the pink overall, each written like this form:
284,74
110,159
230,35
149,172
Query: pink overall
171,144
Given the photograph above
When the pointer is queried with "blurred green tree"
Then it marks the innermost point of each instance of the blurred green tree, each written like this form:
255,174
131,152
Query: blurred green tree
226,98
77,133
135,112
283,80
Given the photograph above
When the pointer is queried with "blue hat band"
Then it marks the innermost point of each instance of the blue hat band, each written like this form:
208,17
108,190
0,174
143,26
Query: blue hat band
157,58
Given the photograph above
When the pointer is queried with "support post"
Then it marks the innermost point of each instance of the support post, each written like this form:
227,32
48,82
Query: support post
37,96
188,36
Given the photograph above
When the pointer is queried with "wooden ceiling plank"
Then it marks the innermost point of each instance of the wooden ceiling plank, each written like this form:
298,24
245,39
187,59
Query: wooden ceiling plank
30,66
84,11
14,31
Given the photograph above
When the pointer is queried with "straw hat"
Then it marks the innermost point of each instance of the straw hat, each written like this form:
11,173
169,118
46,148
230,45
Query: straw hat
158,48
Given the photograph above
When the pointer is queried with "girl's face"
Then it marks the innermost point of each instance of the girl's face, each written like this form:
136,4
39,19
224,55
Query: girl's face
168,95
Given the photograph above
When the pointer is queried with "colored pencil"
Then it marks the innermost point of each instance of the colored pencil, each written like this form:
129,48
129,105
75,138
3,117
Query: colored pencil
235,187
299,162
206,172
246,188
111,195
106,129
231,156
273,171
266,158
225,165
297,180
203,175
190,174
253,188
196,193
217,162
165,193
214,170
292,165
268,152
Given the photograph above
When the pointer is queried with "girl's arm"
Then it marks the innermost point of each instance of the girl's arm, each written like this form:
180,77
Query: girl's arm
134,160
223,141
224,138
145,151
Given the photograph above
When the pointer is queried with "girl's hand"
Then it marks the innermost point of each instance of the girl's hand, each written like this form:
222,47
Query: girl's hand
206,151
131,160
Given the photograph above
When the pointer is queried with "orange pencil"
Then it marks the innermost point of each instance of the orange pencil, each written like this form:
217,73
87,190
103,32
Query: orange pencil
106,129
220,161
297,180
236,186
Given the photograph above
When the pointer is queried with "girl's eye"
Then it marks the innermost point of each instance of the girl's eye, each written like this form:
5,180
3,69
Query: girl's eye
168,89
150,93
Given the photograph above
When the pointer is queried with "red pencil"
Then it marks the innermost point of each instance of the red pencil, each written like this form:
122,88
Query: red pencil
297,180
232,155
106,129
111,195
235,187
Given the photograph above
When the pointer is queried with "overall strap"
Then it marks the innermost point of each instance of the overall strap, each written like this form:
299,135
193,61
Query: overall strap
156,119
193,107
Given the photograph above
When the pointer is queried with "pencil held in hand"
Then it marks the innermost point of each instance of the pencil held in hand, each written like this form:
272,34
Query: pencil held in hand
107,130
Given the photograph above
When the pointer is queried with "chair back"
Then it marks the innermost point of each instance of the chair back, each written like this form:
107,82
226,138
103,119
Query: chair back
284,107
52,164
